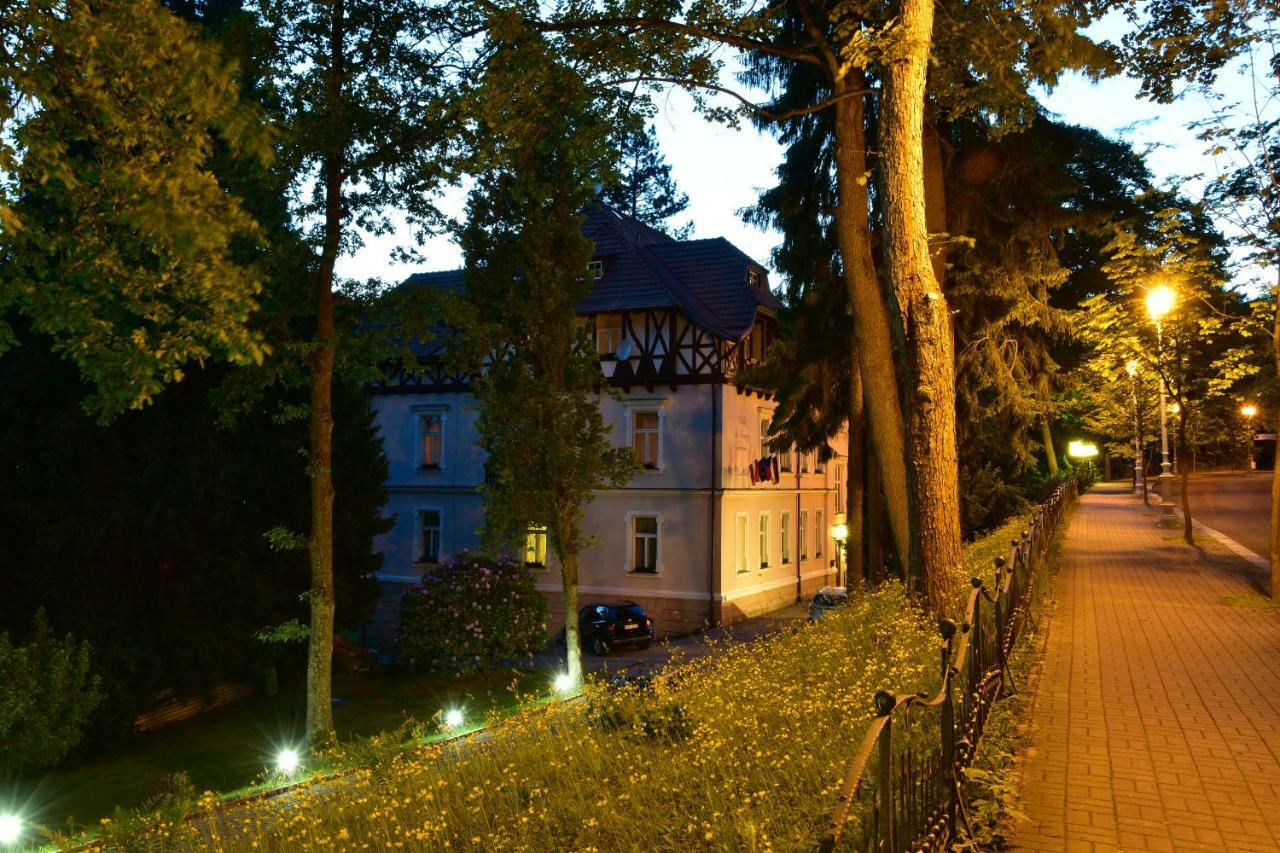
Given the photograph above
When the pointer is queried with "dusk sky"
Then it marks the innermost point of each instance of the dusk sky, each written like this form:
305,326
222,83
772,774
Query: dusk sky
722,169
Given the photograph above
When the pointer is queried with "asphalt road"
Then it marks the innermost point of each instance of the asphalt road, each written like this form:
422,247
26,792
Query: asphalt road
1238,505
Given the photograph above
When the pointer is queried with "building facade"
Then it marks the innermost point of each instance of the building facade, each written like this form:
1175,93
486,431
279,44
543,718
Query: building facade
697,537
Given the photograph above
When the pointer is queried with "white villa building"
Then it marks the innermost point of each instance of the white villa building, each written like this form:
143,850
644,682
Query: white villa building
691,537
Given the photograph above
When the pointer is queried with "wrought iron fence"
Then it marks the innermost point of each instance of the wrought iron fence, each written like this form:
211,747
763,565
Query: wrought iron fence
903,788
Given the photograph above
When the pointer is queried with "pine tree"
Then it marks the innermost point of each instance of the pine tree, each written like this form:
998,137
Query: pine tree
644,188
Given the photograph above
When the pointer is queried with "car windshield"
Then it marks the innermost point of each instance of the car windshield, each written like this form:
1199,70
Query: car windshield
628,611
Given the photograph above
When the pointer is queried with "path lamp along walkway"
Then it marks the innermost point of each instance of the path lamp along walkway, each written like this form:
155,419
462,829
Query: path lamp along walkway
1139,472
1160,301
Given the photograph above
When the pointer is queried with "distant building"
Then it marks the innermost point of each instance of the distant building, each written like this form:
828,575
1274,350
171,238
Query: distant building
690,537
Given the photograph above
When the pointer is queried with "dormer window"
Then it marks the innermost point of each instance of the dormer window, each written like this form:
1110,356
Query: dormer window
595,269
754,278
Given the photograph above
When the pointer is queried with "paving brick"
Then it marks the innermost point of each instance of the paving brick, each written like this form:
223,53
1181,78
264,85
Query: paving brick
1156,723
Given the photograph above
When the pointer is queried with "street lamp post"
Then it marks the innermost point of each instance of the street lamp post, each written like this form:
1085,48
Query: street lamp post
1139,476
1160,301
840,533
1249,411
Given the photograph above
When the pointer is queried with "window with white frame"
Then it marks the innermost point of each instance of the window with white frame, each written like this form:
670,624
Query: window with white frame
608,333
784,460
803,530
740,543
784,537
819,533
804,461
646,438
840,492
819,466
595,269
429,536
535,546
644,543
764,540
765,420
431,438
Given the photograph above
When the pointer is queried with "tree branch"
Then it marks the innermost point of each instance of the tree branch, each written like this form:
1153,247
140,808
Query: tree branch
743,99
744,42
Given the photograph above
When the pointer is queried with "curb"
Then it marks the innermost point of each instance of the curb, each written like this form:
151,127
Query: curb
1257,561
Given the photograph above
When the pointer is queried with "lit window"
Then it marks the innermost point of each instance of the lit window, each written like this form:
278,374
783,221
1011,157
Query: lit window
432,427
764,540
535,546
754,278
804,534
595,269
644,438
608,333
784,537
644,543
430,536
819,533
740,540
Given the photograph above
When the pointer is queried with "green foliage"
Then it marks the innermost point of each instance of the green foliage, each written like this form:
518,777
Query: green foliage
49,693
541,141
162,513
117,240
986,500
471,611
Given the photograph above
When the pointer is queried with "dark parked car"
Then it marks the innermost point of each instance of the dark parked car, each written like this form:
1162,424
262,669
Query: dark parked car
612,626
828,598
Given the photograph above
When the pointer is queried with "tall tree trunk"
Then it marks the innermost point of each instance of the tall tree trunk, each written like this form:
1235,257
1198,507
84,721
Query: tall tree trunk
569,592
1275,474
875,516
871,320
856,567
320,542
926,318
1046,438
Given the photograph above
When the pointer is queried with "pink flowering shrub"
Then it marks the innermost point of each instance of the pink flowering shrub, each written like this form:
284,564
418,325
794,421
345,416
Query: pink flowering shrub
472,611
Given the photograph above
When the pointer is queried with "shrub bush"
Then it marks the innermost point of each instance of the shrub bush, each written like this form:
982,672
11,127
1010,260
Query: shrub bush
472,611
46,696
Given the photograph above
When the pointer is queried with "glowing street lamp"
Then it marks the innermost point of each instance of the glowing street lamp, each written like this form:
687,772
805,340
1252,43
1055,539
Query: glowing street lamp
1249,411
10,829
1160,301
288,761
840,533
1082,450
563,683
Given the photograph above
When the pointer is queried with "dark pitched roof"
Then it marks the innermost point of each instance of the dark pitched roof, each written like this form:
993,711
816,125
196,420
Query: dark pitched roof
644,268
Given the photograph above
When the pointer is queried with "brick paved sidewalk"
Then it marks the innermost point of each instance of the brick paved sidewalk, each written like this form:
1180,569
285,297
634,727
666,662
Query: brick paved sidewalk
1156,723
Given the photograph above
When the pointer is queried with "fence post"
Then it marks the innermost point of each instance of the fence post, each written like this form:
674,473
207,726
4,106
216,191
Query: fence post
948,719
886,833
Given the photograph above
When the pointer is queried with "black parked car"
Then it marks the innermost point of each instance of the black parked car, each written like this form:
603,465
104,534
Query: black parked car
612,626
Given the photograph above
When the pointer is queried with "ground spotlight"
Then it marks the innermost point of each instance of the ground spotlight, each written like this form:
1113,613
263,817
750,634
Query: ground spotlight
287,761
563,682
10,829
453,718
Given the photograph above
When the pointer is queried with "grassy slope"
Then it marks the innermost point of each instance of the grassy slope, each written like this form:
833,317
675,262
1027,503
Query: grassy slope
226,749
